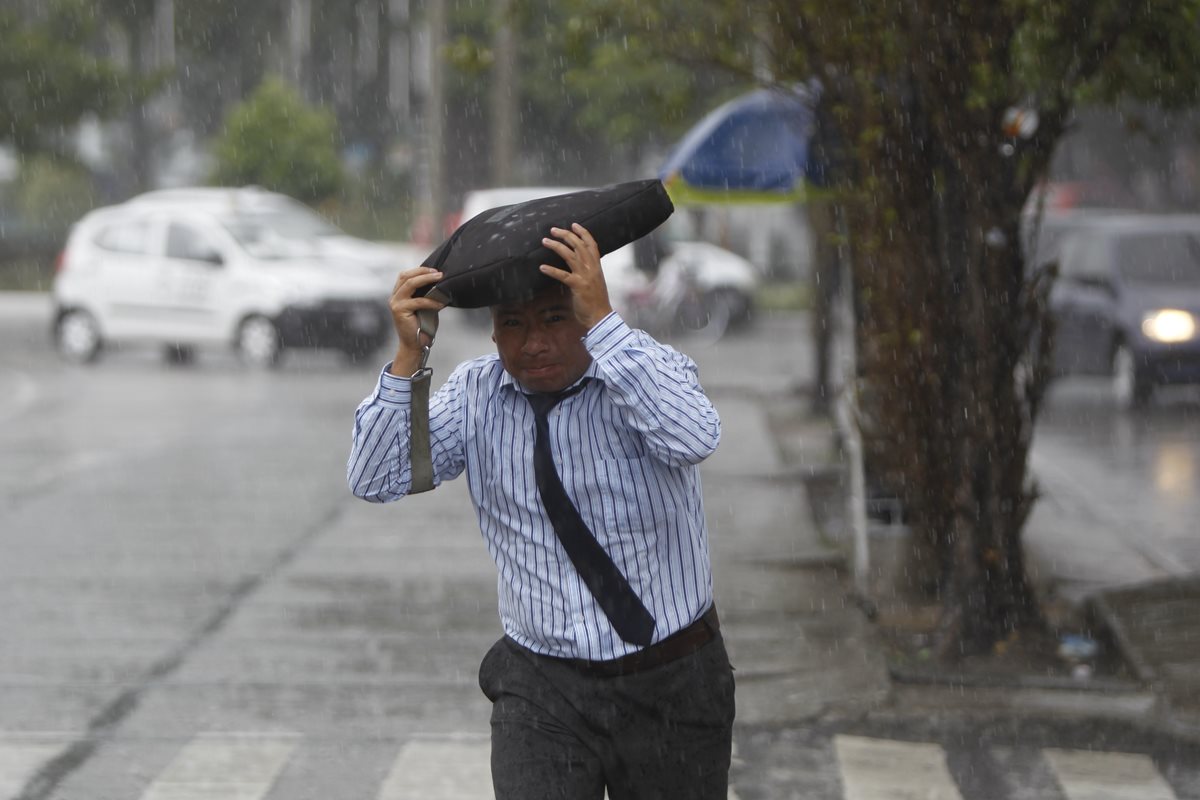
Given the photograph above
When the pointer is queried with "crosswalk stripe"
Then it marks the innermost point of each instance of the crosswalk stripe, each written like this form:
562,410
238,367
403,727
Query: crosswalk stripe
245,766
441,770
224,766
1091,775
881,769
21,754
458,768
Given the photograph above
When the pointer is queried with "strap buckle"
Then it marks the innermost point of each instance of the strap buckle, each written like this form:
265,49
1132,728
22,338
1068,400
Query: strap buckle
427,325
420,453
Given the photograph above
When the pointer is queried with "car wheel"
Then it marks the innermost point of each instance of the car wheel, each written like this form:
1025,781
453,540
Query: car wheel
78,337
179,355
740,304
705,317
360,352
258,343
1131,388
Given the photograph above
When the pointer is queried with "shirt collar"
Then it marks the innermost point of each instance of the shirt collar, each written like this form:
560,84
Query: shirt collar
507,380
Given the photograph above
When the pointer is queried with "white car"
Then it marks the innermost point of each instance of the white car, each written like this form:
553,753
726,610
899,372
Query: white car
693,285
293,219
183,273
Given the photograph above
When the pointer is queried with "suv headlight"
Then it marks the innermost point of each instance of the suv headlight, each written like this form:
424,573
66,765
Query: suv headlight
1169,326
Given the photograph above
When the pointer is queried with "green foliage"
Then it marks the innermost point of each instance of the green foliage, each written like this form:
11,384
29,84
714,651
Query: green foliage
373,206
627,88
1104,51
470,55
48,195
932,192
275,141
784,296
590,82
48,77
224,44
53,193
25,274
128,13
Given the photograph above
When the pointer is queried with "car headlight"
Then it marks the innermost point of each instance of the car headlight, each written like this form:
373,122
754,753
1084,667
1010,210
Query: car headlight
1169,325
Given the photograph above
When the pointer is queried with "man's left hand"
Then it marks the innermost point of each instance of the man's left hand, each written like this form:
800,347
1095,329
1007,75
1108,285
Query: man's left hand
589,293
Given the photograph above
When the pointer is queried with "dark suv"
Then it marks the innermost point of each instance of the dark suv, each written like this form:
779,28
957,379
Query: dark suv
1127,303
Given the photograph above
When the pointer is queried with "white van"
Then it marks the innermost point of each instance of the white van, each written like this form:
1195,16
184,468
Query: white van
186,274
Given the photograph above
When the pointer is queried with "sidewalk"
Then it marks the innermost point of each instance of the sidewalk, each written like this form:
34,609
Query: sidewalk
801,647
809,650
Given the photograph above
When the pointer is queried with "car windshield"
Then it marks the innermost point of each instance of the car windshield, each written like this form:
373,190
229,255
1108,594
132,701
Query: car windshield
1160,258
277,234
302,221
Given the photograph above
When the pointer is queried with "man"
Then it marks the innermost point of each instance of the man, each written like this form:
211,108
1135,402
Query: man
580,440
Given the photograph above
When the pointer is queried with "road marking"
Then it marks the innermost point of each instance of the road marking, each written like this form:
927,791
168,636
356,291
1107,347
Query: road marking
456,769
881,769
1092,775
224,766
22,754
20,398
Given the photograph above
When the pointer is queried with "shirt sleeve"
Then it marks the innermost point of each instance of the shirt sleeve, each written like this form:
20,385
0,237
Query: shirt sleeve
657,391
379,469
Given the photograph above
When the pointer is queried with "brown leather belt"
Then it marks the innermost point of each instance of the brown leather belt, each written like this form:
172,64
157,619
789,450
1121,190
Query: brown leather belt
679,644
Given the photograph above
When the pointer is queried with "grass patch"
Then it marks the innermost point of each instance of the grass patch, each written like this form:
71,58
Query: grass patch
784,296
25,275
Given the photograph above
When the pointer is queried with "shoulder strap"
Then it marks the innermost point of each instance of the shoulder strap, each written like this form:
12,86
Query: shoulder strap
419,449
420,455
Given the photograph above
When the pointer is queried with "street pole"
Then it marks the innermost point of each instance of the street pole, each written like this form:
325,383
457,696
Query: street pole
299,53
435,121
847,416
504,95
399,74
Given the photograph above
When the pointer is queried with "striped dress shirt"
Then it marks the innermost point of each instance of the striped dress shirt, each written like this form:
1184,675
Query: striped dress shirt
626,448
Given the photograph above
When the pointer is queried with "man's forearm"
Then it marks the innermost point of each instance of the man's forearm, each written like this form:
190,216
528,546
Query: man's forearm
379,452
406,362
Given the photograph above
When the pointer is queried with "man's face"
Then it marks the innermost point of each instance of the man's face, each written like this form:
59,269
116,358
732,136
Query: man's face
541,342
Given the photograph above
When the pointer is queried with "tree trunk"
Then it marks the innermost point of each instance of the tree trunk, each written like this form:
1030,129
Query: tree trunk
948,330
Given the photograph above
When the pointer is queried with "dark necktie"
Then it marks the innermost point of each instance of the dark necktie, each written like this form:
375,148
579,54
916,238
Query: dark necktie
616,597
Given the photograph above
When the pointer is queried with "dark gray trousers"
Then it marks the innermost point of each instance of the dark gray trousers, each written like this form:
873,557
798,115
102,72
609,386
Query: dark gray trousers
557,734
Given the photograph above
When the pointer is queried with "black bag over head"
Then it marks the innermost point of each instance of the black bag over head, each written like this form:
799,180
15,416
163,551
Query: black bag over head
494,257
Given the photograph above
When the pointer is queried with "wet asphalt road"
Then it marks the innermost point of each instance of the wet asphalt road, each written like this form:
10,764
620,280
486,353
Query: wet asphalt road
1121,489
180,555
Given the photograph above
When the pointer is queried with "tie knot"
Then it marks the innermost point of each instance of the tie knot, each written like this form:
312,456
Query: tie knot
542,402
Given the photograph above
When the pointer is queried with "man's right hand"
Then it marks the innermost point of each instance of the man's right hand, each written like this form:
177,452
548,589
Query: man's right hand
404,309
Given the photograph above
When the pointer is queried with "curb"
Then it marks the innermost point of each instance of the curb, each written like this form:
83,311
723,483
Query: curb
1139,702
965,680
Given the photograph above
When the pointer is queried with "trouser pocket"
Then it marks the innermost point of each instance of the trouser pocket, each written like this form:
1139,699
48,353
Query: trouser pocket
490,670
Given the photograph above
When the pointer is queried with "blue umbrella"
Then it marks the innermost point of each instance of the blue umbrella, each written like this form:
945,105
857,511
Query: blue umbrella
755,148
